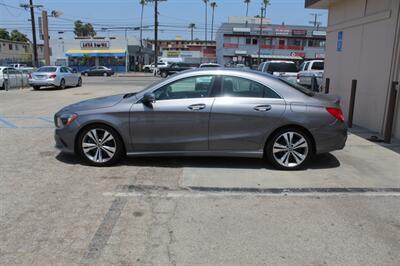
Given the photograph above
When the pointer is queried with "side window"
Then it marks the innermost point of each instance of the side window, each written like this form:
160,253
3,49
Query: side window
196,87
318,66
306,66
240,87
63,70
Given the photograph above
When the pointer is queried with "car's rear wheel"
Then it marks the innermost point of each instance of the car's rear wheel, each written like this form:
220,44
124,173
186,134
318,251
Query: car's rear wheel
164,74
62,84
289,149
36,88
105,74
100,145
86,74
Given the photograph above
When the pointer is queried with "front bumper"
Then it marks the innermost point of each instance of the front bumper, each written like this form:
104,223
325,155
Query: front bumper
43,82
65,138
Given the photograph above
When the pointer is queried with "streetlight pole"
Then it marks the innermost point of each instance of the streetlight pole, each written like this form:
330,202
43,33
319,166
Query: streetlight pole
259,38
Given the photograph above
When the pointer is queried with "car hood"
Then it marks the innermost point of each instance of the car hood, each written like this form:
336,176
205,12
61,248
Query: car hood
95,103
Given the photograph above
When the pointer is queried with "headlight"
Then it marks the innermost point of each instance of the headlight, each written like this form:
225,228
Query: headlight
65,120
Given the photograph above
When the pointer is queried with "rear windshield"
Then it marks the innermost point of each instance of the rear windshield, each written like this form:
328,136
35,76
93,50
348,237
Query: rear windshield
47,69
282,67
296,86
318,66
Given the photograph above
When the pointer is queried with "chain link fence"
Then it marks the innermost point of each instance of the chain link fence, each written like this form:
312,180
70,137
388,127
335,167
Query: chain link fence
11,78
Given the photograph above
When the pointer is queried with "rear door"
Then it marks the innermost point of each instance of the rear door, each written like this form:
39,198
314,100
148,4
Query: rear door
178,120
243,115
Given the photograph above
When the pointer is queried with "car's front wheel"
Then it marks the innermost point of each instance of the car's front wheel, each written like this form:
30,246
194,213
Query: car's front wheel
100,145
79,82
164,74
62,84
289,149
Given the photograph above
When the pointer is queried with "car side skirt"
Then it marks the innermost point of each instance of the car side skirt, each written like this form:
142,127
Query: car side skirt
247,154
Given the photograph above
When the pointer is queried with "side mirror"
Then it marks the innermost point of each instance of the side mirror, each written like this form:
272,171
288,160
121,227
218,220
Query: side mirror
149,98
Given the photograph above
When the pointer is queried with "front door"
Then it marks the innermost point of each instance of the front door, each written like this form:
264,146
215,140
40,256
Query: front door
178,120
243,115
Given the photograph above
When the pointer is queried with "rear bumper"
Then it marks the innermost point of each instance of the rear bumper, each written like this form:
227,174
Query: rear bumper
44,82
331,138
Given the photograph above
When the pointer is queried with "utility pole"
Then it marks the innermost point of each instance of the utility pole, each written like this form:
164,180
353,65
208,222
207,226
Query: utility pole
315,22
45,26
259,37
205,25
31,6
213,6
155,31
192,26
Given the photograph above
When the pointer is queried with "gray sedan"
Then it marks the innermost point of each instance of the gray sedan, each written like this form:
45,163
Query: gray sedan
206,112
55,76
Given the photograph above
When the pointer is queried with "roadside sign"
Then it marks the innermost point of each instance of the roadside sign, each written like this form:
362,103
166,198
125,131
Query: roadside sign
340,41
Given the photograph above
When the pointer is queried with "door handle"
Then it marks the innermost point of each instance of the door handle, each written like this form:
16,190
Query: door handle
263,108
198,106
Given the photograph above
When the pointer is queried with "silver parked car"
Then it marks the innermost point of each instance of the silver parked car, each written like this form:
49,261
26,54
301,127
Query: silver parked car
206,112
55,76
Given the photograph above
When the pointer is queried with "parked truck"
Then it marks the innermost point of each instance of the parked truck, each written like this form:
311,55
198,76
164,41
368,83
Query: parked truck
308,69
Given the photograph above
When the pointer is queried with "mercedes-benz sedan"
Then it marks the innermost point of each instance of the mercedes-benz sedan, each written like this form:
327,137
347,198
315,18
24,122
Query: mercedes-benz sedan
55,76
206,112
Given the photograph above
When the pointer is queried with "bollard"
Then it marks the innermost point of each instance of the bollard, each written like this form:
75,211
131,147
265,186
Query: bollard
314,83
327,85
352,102
390,113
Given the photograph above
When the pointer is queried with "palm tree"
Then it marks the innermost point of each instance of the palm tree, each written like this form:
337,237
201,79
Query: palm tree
142,3
213,6
247,2
192,26
205,2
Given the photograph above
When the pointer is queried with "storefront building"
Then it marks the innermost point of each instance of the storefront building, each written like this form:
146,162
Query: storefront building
240,42
363,44
119,54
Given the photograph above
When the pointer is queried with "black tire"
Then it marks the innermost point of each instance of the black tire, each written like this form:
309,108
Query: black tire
5,85
277,137
86,74
164,74
36,88
79,82
62,84
119,145
105,74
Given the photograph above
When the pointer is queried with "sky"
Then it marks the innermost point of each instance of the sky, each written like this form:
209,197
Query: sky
174,15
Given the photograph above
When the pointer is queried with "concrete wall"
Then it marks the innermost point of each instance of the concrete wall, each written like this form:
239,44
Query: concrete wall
369,36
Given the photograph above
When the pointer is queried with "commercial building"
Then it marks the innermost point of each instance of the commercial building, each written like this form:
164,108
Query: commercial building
363,44
117,53
196,51
18,52
238,41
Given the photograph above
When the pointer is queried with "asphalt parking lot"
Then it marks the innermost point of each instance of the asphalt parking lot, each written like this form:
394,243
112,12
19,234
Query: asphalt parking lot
343,210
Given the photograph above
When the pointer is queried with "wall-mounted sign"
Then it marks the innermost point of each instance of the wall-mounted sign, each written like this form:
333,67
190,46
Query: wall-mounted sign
320,56
339,41
301,54
265,30
319,33
299,32
240,52
242,30
231,45
95,44
282,31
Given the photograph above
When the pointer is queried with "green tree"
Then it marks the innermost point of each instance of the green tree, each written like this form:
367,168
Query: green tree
18,36
4,34
83,29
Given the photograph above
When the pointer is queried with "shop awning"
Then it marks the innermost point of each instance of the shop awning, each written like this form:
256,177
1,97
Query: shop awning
98,53
278,57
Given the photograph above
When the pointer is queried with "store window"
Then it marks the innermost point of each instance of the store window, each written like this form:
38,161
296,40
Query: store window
248,40
10,46
255,41
16,47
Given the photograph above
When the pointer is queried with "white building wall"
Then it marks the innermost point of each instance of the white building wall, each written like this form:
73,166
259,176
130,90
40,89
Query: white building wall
369,30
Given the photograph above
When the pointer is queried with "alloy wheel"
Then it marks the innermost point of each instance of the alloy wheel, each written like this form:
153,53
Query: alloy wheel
99,145
290,149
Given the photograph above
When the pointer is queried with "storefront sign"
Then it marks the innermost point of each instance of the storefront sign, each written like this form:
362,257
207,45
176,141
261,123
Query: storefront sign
301,54
282,31
240,52
95,44
299,32
241,30
318,33
265,30
320,56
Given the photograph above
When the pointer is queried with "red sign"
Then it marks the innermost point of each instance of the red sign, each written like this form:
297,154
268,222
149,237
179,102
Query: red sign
298,54
231,45
299,32
282,31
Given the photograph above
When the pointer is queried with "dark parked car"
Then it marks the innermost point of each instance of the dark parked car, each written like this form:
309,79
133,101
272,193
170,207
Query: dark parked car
98,71
206,112
176,67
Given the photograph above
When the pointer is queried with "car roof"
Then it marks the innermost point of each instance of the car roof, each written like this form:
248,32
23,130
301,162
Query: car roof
285,62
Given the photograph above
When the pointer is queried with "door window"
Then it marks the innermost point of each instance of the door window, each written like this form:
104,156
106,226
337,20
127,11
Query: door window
240,87
196,87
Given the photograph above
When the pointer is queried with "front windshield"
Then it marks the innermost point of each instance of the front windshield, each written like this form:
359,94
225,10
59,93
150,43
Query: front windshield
298,87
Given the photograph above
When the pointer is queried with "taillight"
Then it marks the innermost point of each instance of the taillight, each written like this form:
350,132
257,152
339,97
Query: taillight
336,113
52,76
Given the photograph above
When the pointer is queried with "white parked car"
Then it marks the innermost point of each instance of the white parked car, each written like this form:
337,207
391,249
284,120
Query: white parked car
210,65
55,76
284,69
11,78
309,69
150,68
